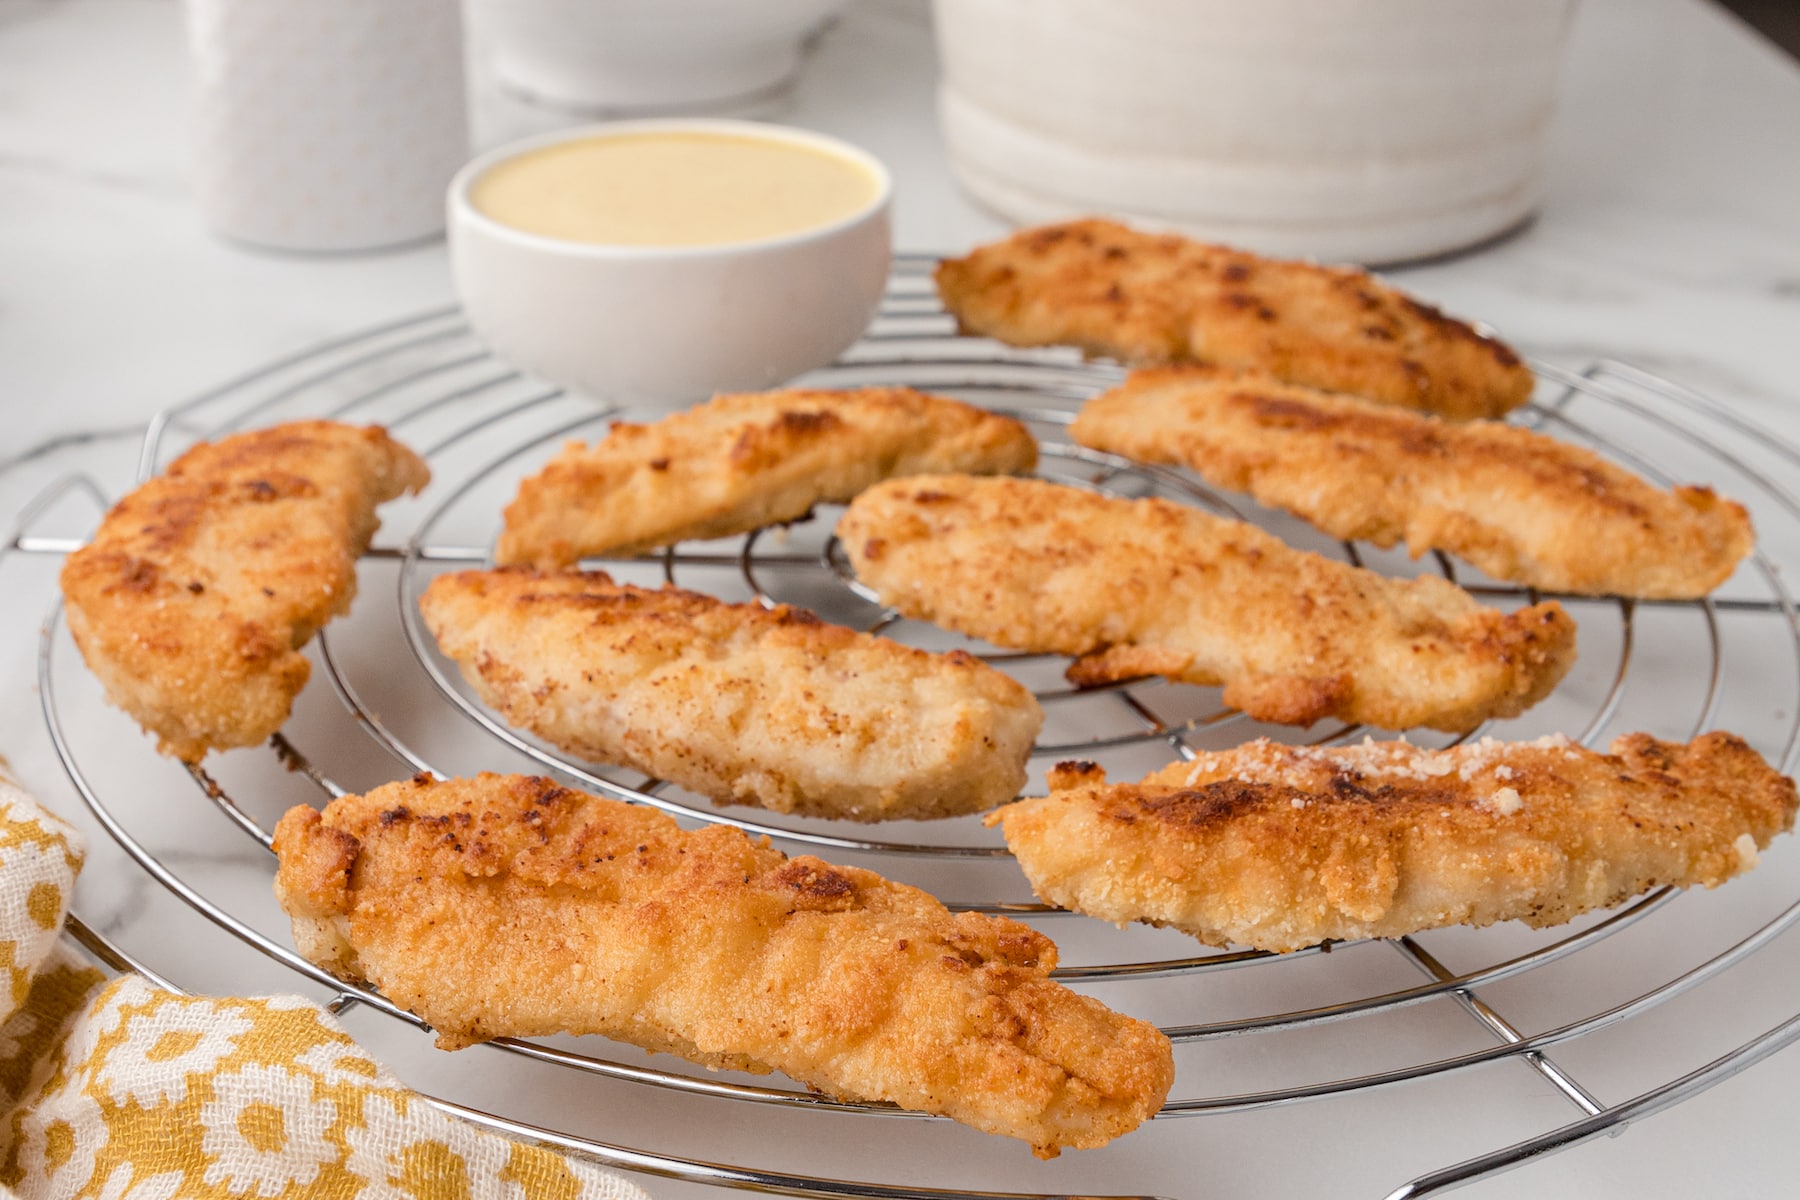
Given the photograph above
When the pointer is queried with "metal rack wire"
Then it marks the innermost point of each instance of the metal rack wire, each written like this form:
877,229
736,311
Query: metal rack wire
482,425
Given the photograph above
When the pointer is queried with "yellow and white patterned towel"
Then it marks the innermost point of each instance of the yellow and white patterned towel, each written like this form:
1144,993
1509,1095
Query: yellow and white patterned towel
121,1091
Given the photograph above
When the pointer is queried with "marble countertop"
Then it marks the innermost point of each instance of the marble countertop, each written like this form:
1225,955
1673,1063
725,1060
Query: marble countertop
1669,238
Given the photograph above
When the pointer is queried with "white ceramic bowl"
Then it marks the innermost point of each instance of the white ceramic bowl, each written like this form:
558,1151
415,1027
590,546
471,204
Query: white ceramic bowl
670,325
643,55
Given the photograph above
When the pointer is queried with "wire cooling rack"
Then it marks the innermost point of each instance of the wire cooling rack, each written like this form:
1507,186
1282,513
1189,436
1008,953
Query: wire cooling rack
1581,1029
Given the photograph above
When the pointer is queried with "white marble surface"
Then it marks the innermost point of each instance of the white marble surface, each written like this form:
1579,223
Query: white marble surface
1670,238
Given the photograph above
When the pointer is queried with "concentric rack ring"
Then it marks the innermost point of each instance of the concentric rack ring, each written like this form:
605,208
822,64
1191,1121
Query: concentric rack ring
435,387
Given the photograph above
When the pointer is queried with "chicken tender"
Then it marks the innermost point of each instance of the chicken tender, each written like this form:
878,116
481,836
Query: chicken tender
742,704
1280,847
1517,504
1146,299
194,597
744,461
508,906
1145,587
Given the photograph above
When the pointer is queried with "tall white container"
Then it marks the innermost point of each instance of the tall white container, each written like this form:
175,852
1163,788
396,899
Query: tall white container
1371,130
327,124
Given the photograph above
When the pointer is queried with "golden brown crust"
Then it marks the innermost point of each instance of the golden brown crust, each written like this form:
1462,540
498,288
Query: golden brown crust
509,906
1147,299
743,461
1517,504
194,597
1280,847
742,704
1148,587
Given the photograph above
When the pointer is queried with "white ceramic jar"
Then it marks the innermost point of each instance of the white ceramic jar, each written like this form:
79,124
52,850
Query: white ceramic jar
327,124
1370,130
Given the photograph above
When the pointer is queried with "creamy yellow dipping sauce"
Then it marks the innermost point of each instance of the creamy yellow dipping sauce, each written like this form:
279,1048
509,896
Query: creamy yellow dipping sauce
673,189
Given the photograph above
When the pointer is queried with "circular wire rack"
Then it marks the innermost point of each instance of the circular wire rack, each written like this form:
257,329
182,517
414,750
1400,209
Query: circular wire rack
390,704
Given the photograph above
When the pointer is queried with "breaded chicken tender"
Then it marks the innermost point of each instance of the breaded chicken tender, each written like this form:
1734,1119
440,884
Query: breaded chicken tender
194,597
505,905
1145,587
1280,847
1148,299
1519,505
744,461
742,704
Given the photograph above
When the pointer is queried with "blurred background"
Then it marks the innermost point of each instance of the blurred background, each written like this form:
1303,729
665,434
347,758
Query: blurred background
1779,20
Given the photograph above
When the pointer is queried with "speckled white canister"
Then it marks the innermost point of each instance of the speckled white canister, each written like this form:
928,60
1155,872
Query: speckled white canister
327,124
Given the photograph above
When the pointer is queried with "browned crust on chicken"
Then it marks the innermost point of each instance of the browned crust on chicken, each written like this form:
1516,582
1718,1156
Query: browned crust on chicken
1280,847
1519,505
1137,587
199,588
508,906
1146,299
742,704
743,461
